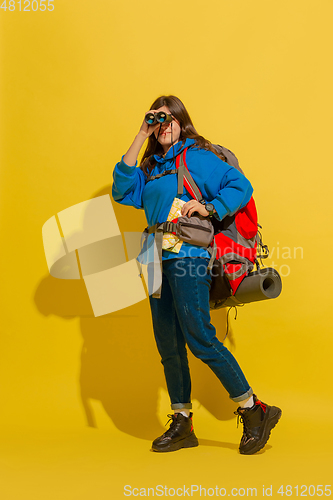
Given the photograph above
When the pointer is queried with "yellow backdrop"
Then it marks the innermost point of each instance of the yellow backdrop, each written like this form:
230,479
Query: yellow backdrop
82,397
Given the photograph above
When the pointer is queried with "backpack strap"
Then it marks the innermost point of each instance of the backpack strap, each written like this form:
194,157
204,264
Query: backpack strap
166,172
158,230
185,178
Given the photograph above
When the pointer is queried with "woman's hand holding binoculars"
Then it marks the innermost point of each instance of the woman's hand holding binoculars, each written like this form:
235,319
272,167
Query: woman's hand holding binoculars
145,131
148,128
153,120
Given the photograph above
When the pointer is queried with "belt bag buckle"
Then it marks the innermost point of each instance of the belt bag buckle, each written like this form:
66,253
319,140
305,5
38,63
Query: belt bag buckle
169,227
195,230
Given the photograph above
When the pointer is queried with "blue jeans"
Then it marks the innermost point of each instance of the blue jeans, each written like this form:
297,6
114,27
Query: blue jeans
182,316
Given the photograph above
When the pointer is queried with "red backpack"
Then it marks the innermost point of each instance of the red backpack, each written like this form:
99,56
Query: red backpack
236,237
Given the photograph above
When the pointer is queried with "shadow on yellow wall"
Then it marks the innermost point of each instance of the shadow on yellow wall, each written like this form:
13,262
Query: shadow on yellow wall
120,364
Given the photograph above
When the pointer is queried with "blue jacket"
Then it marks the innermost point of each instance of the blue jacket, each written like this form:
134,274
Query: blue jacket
220,184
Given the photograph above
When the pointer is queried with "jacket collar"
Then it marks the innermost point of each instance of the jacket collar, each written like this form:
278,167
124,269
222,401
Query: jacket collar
176,150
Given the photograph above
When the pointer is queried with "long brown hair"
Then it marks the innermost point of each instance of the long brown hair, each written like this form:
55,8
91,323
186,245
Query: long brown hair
178,111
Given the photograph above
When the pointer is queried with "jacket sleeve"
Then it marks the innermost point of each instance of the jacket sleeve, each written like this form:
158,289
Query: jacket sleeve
234,192
128,184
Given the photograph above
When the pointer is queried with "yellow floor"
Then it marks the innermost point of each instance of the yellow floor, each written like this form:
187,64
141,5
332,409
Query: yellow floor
81,405
88,463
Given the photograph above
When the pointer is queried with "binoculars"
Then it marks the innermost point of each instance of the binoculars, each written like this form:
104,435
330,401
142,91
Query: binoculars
160,117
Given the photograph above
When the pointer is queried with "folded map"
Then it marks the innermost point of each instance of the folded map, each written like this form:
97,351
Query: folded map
170,241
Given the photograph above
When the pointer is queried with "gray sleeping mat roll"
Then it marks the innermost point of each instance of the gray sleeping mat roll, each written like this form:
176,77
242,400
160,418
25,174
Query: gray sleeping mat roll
262,284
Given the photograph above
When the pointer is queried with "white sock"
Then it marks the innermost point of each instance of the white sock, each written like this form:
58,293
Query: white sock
184,412
247,403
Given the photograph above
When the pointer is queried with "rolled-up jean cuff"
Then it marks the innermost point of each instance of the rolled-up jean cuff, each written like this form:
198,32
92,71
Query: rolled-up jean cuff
246,395
180,406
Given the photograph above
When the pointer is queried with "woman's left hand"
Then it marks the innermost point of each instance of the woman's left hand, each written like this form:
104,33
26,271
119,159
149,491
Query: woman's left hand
194,206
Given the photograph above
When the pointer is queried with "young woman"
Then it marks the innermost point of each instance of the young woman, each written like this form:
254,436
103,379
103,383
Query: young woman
182,314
